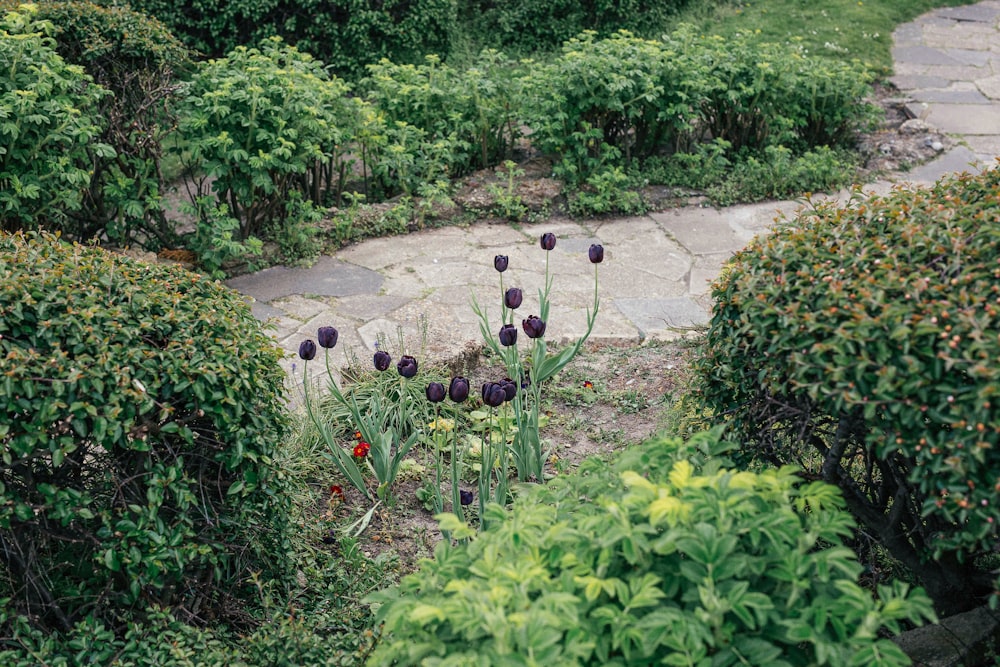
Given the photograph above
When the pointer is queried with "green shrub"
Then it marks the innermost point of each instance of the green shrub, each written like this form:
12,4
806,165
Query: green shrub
861,342
755,94
49,124
346,34
606,100
531,25
141,408
666,557
608,191
262,123
474,111
136,59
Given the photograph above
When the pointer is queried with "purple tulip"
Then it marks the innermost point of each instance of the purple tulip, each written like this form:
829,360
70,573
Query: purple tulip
493,394
548,241
382,360
435,392
465,497
509,389
458,390
513,298
500,263
596,253
307,350
508,335
534,327
327,337
407,366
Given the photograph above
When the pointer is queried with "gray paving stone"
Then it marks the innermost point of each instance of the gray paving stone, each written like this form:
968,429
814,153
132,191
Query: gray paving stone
912,81
651,315
981,13
967,56
990,87
327,277
957,159
964,118
949,96
921,55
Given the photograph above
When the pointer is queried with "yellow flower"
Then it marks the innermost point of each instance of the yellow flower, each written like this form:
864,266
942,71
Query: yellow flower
440,424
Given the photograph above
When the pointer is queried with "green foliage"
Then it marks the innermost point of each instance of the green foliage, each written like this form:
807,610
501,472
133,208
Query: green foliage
136,59
666,557
49,123
604,103
321,624
213,241
608,191
346,34
528,26
472,111
261,124
141,408
862,343
606,100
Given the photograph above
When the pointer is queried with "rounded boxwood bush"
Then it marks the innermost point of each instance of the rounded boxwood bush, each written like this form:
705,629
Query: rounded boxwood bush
668,557
862,342
140,406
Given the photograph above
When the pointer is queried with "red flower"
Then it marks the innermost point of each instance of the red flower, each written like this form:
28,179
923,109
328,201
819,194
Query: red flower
336,491
588,384
361,450
357,435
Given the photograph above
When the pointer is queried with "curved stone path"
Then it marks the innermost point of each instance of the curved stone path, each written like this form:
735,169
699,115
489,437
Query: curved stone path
655,279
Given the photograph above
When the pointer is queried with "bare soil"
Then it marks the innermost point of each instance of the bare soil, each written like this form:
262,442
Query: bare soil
609,397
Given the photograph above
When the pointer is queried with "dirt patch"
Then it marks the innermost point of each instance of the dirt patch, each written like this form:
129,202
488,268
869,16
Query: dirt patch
609,397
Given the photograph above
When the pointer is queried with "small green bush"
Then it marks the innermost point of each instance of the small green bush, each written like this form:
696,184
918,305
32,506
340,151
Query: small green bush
49,125
528,26
861,343
474,111
265,122
666,557
346,34
137,60
604,100
140,408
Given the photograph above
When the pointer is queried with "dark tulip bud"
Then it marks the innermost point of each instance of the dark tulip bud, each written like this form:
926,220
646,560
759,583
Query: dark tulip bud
382,360
534,326
327,337
509,389
407,366
500,263
548,241
458,390
508,335
493,394
307,350
465,497
435,392
513,298
596,253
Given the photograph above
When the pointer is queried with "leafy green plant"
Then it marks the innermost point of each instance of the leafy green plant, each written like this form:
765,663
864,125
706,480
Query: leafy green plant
607,191
50,123
138,61
141,409
506,201
668,556
860,343
261,124
213,241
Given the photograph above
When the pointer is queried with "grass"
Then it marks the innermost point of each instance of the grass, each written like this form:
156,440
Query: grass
841,29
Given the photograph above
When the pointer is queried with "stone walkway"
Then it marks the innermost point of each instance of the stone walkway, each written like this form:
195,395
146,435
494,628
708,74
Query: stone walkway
654,282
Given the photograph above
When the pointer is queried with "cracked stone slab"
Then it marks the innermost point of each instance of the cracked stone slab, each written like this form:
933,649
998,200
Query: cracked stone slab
922,55
651,315
957,159
964,118
980,13
327,277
